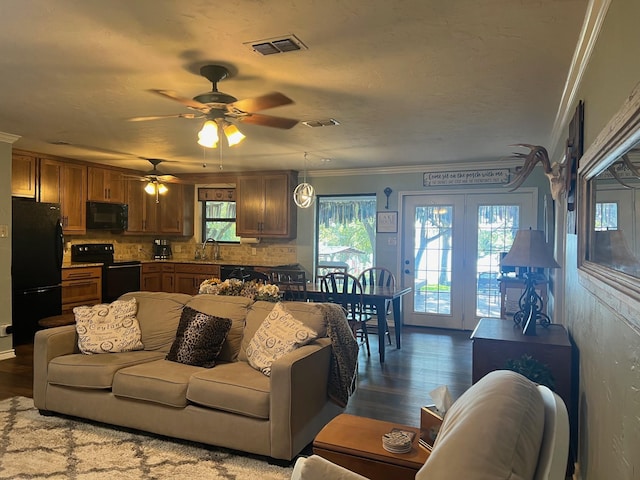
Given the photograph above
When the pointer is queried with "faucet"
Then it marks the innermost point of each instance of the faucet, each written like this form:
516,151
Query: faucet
203,249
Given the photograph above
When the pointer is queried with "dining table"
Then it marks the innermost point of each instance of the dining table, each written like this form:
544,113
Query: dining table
377,296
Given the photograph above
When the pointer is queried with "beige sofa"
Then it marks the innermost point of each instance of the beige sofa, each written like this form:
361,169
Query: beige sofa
231,405
503,427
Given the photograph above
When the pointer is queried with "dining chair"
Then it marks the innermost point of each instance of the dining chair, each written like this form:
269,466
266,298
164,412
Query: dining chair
381,277
292,284
345,289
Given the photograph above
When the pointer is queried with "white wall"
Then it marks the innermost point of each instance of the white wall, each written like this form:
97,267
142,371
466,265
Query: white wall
608,347
6,350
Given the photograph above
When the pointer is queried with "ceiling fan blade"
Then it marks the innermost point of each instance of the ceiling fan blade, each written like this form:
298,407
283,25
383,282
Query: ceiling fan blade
166,177
269,100
160,117
189,102
268,120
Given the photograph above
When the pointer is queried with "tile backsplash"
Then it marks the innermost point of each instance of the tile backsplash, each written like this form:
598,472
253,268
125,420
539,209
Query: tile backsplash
141,248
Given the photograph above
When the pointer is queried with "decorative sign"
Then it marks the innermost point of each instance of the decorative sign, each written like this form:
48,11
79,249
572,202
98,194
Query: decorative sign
466,177
387,222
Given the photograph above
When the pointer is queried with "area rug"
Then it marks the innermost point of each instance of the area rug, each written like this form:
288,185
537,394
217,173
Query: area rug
33,446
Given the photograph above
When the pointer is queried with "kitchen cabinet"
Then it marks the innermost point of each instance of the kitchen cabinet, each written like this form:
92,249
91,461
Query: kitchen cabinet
173,214
105,185
265,205
168,280
143,215
23,175
151,277
176,210
189,276
81,286
66,184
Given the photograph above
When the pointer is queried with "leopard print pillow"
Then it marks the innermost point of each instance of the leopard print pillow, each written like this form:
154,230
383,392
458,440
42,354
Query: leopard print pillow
199,338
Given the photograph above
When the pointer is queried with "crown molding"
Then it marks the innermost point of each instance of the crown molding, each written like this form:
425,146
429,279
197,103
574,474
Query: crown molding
500,163
8,137
593,20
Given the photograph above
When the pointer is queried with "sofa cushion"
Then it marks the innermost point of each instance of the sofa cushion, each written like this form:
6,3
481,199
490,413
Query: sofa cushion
502,444
158,314
308,313
199,338
279,334
108,327
233,308
160,381
233,387
94,371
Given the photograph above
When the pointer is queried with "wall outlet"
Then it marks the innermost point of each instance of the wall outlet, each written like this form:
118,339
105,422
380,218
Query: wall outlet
3,330
4,231
254,251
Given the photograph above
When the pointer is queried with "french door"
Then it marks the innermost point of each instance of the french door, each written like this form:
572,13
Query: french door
451,253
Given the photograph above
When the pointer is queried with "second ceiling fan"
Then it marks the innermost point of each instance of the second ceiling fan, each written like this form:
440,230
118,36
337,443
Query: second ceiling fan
217,108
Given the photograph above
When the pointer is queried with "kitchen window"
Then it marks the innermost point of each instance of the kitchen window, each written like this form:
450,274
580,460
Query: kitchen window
219,221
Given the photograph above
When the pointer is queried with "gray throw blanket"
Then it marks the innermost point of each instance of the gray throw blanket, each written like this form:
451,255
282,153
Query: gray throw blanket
344,359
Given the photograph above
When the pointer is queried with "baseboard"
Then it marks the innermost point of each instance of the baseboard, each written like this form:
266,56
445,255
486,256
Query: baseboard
7,354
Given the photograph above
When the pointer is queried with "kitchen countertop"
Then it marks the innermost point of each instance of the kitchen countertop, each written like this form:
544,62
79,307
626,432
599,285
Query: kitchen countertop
81,265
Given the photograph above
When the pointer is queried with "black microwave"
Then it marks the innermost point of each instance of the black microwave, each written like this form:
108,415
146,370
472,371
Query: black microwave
107,216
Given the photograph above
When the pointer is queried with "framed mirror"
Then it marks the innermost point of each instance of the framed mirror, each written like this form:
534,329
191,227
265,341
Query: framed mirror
609,217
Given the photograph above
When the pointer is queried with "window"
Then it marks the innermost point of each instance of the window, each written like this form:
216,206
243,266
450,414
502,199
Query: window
345,233
219,221
606,216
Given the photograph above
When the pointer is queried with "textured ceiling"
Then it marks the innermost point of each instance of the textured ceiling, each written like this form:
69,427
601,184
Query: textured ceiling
412,82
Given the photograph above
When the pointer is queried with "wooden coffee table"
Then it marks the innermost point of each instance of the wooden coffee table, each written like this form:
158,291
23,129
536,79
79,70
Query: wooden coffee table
356,444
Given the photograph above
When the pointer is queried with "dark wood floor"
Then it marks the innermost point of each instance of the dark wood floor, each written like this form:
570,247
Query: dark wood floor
393,391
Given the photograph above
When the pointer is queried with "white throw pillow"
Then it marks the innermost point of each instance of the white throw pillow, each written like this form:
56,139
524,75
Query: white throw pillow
279,334
108,328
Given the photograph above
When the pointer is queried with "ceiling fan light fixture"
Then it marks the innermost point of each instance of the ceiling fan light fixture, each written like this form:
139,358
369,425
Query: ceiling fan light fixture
234,136
208,135
150,188
162,188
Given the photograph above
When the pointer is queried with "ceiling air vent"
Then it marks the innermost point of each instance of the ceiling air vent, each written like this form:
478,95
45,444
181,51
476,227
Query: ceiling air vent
269,46
329,122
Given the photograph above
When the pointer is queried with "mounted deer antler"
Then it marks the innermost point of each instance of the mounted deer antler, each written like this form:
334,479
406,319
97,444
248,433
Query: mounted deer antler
627,163
554,172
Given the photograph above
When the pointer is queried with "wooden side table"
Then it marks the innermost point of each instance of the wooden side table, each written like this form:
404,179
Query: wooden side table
496,340
356,443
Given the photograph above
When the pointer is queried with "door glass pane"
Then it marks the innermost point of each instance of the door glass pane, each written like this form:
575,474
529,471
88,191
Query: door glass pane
432,283
497,226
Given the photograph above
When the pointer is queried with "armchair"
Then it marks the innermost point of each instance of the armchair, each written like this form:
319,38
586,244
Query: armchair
504,426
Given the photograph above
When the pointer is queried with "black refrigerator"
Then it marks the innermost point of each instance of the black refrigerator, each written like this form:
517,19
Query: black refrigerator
36,265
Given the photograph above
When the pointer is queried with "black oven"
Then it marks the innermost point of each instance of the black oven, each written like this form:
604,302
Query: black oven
118,277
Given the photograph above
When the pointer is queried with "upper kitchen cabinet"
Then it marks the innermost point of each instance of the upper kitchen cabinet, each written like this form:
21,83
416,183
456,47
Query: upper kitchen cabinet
176,210
23,175
265,205
105,185
143,216
172,215
66,184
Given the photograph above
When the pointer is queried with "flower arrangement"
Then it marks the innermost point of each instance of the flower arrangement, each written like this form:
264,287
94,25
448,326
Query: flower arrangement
235,287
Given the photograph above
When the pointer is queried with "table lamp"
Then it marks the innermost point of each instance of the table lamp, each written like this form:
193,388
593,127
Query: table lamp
530,250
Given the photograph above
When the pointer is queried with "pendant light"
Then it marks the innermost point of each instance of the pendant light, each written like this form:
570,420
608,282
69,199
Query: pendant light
304,195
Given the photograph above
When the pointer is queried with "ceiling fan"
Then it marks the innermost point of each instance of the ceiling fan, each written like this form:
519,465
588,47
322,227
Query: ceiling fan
218,108
156,179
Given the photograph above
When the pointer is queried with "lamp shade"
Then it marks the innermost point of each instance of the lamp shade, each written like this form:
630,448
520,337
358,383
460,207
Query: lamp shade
234,136
529,249
611,248
208,136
